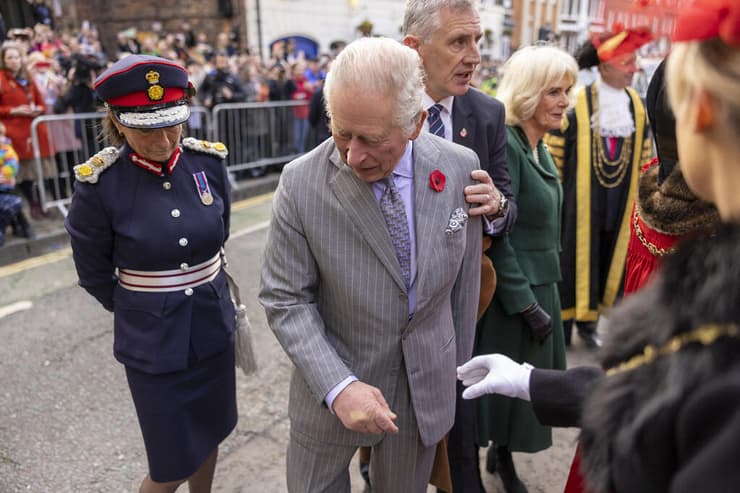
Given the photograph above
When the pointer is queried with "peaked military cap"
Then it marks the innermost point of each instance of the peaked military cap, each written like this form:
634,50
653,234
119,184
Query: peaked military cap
146,91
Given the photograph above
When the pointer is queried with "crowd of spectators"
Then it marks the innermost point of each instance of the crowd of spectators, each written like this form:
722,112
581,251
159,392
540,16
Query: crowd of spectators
64,62
220,69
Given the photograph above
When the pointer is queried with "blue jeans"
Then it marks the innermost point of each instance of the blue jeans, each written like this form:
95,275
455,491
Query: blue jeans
300,132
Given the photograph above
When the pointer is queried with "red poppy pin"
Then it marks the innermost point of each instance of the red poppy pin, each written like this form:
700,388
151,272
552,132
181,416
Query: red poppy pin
437,180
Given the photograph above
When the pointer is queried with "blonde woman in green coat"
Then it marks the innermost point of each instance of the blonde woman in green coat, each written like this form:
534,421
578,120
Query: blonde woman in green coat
523,320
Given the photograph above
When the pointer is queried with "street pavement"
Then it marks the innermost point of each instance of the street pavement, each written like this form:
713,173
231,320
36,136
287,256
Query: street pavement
67,423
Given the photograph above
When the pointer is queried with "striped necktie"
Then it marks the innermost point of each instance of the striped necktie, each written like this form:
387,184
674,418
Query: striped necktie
436,126
394,213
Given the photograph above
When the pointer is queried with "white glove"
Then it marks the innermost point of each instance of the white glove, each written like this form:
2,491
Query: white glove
495,374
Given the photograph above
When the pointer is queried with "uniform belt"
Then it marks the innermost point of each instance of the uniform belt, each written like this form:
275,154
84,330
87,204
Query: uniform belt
155,281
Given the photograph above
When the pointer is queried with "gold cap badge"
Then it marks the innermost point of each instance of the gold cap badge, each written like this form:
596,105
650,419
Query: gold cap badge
155,92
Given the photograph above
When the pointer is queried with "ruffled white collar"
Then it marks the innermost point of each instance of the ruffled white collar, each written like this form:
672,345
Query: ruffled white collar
613,117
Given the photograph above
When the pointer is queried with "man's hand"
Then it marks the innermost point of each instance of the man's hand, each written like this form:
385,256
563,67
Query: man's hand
483,194
494,374
362,407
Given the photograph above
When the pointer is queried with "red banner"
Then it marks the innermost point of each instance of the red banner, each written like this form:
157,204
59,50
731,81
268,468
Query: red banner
657,15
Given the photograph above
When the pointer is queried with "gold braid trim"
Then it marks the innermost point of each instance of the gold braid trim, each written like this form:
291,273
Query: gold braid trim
704,335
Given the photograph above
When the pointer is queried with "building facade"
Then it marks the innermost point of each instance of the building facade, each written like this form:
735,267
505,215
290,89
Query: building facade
341,21
534,20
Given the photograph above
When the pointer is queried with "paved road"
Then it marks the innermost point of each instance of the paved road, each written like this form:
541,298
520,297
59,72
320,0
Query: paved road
67,423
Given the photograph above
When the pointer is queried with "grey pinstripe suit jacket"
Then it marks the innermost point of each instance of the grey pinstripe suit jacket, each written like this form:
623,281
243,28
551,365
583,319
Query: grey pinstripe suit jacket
332,289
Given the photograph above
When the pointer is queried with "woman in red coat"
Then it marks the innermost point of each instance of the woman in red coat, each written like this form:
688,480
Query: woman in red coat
20,103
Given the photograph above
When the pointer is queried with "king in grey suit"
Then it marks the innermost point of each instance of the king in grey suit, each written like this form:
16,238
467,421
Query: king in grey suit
374,359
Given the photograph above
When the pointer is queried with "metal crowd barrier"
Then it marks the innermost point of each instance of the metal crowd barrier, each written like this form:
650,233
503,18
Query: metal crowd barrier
258,135
73,138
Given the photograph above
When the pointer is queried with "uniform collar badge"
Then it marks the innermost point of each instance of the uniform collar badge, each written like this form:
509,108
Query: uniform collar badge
155,167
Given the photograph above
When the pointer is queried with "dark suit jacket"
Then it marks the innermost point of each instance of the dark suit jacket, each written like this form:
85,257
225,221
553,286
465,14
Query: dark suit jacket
478,123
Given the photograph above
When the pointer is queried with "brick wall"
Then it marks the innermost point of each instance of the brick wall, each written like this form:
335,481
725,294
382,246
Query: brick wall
112,16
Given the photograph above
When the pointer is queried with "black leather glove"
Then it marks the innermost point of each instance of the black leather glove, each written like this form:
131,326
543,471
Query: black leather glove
538,321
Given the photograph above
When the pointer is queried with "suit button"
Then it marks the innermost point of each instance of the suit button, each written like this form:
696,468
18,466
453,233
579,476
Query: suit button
184,266
189,292
175,212
167,185
183,242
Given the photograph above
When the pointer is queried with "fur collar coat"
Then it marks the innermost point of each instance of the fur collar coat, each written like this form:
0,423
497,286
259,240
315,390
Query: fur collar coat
672,424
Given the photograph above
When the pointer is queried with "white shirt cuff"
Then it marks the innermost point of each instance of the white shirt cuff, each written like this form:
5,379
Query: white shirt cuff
334,392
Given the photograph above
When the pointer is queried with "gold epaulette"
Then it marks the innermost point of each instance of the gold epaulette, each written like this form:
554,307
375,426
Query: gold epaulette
215,148
91,169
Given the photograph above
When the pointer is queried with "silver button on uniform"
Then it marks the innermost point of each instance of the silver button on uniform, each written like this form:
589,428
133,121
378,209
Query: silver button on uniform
184,266
183,242
189,292
175,212
166,185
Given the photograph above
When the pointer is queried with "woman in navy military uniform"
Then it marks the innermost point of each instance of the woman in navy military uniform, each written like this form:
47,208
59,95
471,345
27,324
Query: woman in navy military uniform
147,223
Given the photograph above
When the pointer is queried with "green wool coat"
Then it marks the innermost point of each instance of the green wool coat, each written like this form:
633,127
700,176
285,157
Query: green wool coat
527,263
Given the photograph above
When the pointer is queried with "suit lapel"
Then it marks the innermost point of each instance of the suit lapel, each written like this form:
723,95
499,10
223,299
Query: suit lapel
427,213
463,122
540,167
358,199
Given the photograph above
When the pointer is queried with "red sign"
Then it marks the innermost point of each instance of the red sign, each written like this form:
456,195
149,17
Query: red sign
657,15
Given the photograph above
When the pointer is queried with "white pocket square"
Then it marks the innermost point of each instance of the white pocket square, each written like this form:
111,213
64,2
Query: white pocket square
458,219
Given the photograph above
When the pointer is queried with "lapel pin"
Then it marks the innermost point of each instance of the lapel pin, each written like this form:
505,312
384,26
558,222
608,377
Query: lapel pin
464,132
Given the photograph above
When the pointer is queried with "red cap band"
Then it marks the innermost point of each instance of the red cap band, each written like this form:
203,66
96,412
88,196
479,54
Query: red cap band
171,94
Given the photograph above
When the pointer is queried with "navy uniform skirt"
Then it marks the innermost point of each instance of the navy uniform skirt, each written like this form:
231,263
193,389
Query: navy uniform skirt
184,415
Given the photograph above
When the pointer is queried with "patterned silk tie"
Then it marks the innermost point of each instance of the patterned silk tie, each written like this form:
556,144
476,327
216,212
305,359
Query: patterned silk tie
394,214
436,126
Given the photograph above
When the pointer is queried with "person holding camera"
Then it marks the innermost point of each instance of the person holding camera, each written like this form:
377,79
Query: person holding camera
221,85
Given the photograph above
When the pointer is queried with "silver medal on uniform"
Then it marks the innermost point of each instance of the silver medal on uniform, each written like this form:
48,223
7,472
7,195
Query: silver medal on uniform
204,190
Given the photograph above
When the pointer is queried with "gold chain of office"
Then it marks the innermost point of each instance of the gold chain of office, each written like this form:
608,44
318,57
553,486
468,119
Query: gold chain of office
704,335
654,250
610,173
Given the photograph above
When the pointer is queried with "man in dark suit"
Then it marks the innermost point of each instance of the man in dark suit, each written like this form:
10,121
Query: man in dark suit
445,33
